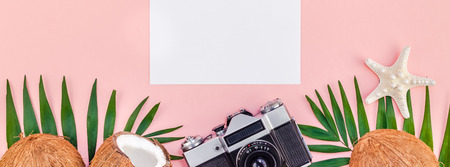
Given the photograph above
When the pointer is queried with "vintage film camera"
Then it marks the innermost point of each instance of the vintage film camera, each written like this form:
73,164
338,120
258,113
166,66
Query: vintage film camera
270,138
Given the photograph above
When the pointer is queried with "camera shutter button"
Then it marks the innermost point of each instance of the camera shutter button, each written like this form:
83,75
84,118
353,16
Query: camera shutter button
220,129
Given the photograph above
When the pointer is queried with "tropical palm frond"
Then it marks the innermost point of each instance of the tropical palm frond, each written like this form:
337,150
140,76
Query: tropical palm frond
67,119
381,114
110,117
445,149
348,115
92,122
426,134
48,124
133,116
385,120
12,121
408,124
30,124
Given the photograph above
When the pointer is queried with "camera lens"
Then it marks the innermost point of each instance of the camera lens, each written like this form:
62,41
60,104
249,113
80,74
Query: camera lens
258,154
260,162
260,159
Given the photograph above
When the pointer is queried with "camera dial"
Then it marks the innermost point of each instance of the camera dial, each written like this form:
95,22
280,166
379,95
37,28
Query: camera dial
191,142
271,105
258,154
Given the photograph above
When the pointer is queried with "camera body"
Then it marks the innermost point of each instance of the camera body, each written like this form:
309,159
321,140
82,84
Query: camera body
271,138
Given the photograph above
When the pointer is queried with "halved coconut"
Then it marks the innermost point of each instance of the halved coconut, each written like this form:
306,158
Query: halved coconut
41,150
387,147
128,149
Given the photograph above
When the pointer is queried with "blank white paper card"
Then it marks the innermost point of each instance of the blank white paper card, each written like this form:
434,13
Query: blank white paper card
224,41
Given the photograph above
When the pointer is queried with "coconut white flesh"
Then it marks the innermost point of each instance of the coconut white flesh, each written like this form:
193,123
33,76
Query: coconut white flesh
140,151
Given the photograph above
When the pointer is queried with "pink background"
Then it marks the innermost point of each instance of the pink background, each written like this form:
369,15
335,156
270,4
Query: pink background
109,40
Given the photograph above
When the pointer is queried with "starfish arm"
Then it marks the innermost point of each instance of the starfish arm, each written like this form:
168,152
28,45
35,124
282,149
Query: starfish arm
402,105
375,67
402,60
375,95
415,81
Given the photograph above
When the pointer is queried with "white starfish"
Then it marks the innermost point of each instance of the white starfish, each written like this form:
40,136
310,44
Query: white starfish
395,81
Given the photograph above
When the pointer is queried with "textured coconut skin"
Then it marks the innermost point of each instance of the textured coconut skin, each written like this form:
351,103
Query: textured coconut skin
387,147
43,150
109,154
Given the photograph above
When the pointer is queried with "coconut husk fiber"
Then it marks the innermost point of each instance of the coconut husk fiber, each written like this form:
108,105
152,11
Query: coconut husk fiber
43,150
110,155
387,147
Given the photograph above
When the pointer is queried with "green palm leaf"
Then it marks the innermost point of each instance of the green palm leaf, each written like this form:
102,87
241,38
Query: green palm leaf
381,115
30,124
92,122
319,115
390,114
12,122
331,162
67,119
338,117
148,119
363,124
134,115
349,119
164,131
48,124
175,157
110,117
445,150
408,124
327,148
167,139
426,134
327,115
317,133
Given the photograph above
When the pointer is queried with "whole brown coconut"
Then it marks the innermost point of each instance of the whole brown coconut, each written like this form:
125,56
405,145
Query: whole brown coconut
41,150
125,149
387,147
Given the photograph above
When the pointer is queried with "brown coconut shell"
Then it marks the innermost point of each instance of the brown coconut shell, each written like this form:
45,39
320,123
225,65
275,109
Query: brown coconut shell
387,147
109,154
41,150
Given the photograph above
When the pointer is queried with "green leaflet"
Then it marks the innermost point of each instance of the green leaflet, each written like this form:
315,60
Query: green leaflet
327,115
363,124
319,115
110,117
408,124
30,124
164,131
175,157
445,150
327,148
92,122
338,117
349,120
331,162
381,115
167,139
134,115
12,122
426,134
391,123
317,133
67,119
147,120
48,124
